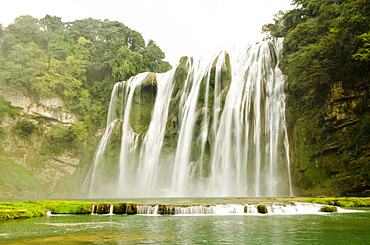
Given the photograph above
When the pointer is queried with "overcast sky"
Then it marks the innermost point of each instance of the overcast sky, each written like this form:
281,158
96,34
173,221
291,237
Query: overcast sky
179,27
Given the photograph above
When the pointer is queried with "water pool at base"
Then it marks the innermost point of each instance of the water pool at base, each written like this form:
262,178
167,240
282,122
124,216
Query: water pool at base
333,228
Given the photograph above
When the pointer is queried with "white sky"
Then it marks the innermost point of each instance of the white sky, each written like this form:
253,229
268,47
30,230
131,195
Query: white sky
179,27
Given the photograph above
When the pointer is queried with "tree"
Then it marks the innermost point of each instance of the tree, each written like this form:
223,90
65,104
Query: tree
126,64
153,58
26,29
24,63
52,24
1,35
363,53
66,77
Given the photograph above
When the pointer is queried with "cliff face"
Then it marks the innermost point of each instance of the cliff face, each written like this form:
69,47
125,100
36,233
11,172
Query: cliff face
330,144
52,109
39,155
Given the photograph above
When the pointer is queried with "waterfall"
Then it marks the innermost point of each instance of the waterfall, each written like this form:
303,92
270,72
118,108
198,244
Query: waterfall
212,126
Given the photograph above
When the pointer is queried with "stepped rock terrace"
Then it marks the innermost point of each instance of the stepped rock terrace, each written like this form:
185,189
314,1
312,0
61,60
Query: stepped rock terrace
180,206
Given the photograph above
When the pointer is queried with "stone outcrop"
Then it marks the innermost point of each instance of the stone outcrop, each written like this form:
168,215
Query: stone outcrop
54,108
29,170
330,144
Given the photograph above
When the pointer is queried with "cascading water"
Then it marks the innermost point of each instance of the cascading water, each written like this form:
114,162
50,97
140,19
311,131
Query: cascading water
239,209
213,126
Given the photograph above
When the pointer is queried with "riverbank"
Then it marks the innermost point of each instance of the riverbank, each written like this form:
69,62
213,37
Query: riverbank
38,208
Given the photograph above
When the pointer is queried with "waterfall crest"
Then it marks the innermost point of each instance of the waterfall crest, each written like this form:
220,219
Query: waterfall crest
213,126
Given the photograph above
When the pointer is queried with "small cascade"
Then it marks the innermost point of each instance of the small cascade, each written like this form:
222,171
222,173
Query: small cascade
93,209
251,209
215,209
195,210
147,209
295,208
102,208
111,209
290,208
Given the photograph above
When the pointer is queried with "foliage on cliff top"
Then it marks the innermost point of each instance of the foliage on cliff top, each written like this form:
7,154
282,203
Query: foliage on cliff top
79,61
6,108
326,41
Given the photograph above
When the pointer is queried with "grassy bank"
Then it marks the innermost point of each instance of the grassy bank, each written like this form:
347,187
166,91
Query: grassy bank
29,209
343,202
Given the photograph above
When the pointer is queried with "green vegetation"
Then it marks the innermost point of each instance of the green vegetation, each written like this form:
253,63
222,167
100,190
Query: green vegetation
329,209
326,57
60,139
6,108
25,209
77,61
262,209
340,202
29,209
25,182
25,128
325,42
70,207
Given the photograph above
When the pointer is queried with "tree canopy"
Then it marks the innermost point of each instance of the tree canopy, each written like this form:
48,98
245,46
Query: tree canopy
79,61
326,41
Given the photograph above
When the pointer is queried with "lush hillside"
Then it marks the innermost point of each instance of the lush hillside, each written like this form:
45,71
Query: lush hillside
327,60
58,77
77,61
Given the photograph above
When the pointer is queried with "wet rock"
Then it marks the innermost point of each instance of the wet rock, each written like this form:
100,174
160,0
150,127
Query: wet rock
131,208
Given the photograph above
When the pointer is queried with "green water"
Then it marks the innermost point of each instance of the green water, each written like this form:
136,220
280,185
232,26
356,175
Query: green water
334,228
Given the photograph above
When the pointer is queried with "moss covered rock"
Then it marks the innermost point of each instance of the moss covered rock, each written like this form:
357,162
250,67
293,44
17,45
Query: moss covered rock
329,209
262,209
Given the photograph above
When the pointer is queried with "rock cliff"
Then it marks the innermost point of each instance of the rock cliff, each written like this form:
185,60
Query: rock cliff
49,108
330,144
39,153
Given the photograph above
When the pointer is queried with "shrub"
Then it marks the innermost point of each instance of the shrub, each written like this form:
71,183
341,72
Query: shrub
345,204
61,138
329,209
79,130
24,128
262,209
6,108
360,203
